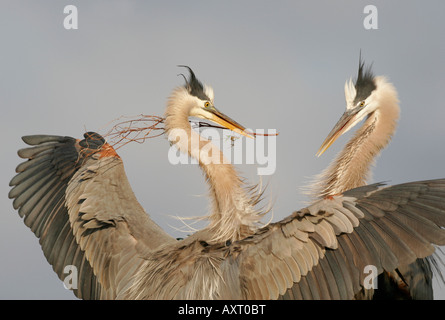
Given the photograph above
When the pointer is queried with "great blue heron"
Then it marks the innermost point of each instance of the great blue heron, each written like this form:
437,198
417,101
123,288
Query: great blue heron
76,198
375,99
233,215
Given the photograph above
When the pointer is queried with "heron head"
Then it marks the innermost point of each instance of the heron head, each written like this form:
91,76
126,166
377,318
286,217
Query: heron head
361,101
204,107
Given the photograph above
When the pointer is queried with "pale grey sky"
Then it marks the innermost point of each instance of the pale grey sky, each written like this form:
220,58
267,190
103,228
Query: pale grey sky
279,65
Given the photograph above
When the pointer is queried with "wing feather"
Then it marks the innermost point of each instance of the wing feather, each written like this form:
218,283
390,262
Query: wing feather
313,286
78,202
392,227
296,292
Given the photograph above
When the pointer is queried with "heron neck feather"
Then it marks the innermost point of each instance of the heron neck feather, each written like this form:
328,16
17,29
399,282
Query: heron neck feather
232,215
352,166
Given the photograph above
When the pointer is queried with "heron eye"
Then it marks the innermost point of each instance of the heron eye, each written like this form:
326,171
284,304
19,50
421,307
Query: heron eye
362,104
207,104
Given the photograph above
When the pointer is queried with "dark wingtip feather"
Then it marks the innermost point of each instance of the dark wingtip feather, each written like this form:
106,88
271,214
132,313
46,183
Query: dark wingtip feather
92,140
34,140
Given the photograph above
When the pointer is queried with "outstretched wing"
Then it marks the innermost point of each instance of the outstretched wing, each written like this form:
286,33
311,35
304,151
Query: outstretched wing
329,249
75,197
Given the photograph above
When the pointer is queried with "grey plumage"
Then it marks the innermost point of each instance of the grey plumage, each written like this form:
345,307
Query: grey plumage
74,195
375,99
44,209
308,255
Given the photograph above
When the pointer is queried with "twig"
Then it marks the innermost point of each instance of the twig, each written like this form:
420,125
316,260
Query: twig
135,130
147,127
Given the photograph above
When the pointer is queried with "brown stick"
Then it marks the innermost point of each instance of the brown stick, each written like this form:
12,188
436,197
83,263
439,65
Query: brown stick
147,127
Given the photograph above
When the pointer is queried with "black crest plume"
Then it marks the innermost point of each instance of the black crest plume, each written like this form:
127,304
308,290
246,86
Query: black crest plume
193,85
364,84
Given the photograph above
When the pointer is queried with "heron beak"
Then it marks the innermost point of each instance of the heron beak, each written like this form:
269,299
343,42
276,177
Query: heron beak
344,124
223,120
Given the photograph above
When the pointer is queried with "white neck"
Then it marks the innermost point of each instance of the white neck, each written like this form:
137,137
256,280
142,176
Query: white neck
233,216
351,167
